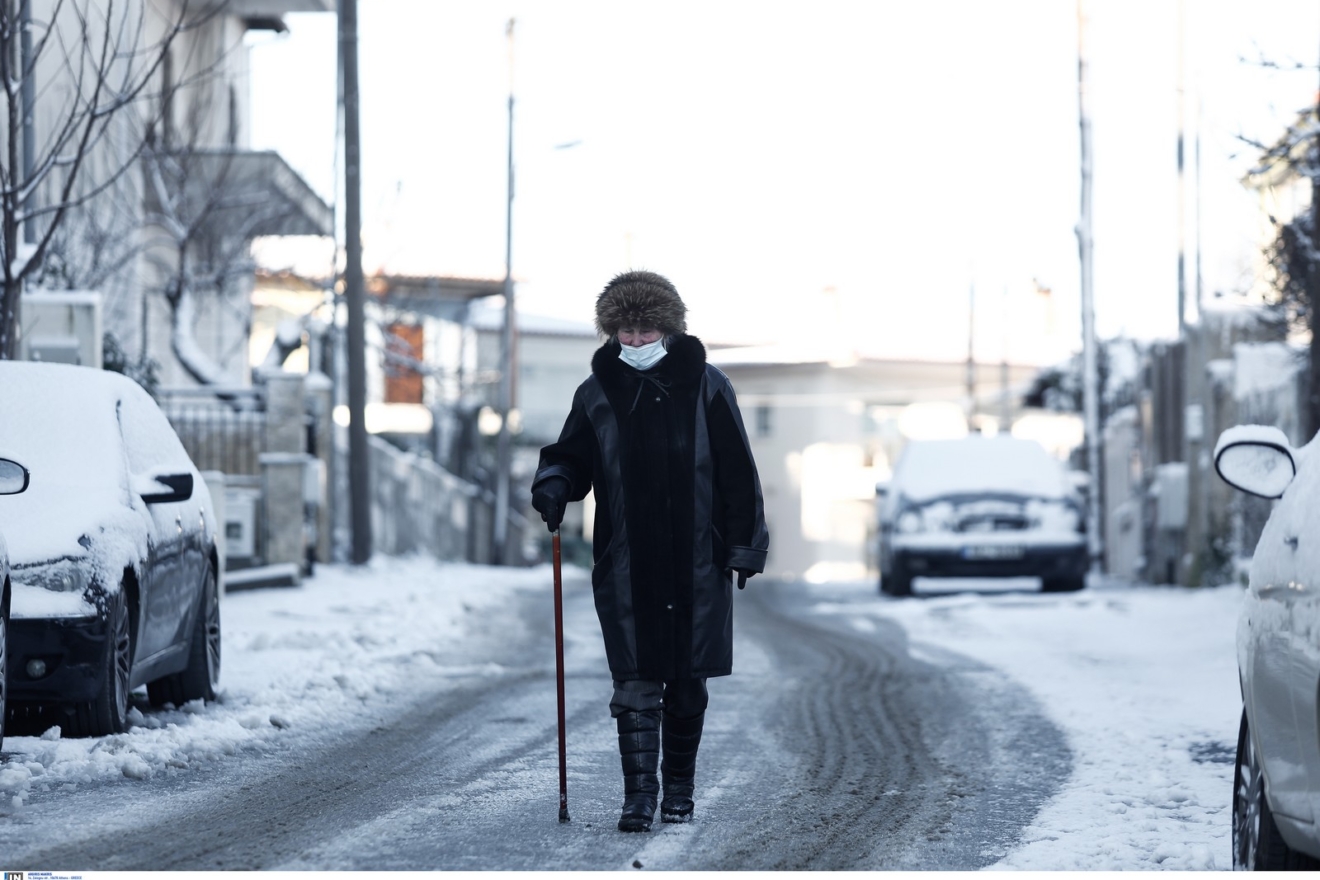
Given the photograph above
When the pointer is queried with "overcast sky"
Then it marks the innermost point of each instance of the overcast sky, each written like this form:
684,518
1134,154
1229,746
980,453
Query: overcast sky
846,169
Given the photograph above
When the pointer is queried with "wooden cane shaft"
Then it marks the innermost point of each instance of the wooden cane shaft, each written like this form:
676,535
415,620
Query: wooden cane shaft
559,677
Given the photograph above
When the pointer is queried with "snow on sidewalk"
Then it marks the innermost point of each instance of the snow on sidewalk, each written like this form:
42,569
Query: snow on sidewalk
1143,680
295,662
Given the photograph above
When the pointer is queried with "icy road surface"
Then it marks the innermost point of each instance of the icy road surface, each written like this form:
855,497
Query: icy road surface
403,717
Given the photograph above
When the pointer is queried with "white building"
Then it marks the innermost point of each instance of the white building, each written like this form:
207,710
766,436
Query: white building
166,243
554,357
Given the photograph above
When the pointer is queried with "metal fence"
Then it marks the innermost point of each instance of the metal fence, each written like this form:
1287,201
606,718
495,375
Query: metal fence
222,429
416,505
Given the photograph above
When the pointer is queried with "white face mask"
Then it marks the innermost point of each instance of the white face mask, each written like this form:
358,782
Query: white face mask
643,357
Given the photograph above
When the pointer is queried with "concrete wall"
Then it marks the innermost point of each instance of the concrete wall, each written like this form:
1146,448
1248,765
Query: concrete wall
416,506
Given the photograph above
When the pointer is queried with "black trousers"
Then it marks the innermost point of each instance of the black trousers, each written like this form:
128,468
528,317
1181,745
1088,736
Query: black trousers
684,698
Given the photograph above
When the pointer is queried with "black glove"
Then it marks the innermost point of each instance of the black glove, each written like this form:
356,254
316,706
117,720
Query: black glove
549,498
743,575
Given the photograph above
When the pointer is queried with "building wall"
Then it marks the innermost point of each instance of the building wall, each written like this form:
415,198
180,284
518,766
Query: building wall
550,369
212,113
209,62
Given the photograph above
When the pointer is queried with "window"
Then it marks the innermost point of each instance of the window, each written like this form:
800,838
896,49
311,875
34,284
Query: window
763,421
404,353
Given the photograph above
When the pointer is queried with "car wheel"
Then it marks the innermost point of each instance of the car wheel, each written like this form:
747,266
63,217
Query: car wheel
108,712
1257,843
1062,585
199,678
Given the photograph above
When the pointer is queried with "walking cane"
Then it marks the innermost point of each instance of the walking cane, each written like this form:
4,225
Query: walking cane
559,678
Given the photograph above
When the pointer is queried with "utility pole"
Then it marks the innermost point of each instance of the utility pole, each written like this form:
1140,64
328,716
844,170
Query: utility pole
359,464
508,355
1196,157
971,354
1311,422
28,96
1085,246
1182,176
1006,399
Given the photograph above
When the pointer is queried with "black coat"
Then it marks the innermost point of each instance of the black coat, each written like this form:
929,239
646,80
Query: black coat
678,505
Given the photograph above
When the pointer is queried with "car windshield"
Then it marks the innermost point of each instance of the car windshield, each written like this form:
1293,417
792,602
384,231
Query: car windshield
932,469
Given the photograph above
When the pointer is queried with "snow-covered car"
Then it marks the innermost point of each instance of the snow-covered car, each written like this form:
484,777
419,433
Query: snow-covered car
1276,783
112,552
13,480
980,507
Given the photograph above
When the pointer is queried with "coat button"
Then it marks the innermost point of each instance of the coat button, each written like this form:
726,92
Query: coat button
670,607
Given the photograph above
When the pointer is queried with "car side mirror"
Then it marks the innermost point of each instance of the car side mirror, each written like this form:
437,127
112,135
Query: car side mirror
13,477
179,488
1255,459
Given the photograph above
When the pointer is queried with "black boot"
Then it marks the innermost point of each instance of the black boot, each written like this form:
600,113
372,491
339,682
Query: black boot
682,736
639,747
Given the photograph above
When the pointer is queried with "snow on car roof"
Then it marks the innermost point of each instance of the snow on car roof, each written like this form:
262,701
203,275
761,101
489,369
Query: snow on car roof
59,422
54,417
933,468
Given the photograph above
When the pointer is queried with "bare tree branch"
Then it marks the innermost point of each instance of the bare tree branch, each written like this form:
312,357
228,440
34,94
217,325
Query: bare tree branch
104,63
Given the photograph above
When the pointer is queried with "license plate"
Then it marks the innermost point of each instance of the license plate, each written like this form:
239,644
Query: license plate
993,551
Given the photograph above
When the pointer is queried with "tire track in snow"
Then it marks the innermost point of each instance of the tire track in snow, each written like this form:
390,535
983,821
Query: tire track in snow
861,770
891,762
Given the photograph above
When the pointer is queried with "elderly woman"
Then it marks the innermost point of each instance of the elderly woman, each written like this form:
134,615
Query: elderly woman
655,431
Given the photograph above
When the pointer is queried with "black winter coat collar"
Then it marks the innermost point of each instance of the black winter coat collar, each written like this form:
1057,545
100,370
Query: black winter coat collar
684,363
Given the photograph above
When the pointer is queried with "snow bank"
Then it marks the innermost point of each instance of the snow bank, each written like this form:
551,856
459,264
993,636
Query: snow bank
296,661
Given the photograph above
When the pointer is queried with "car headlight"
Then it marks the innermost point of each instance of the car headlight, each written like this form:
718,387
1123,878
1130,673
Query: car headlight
66,576
909,521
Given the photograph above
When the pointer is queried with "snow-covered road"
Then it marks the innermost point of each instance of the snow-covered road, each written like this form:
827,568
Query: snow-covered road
1140,680
1144,681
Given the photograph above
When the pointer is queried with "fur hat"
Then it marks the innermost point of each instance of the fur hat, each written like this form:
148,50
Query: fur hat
640,299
